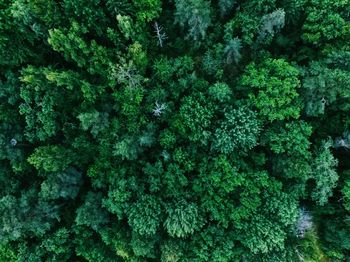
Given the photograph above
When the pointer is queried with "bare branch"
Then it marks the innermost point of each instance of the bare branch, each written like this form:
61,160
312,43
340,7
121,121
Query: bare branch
160,35
158,110
13,142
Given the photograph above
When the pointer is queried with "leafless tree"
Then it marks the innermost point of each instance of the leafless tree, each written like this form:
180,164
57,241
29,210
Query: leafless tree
343,141
13,142
160,34
158,110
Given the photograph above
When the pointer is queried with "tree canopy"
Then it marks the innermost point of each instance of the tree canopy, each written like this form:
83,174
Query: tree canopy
180,130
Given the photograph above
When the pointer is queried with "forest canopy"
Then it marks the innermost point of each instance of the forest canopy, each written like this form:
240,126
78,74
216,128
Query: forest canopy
179,130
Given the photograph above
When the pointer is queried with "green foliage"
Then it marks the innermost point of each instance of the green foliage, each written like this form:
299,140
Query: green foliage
7,254
182,219
326,85
40,102
95,121
233,51
50,158
148,9
271,24
64,185
346,192
218,181
167,139
247,32
170,252
25,215
206,147
144,215
326,22
90,247
264,237
226,6
88,14
74,48
239,130
118,196
213,61
273,88
125,25
194,14
220,92
292,139
91,213
310,248
165,68
58,245
216,244
194,119
17,40
324,173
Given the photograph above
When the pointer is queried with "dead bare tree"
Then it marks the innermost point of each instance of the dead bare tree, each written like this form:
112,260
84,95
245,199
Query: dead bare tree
158,110
160,34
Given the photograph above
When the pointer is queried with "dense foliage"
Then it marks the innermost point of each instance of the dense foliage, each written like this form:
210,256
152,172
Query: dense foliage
180,130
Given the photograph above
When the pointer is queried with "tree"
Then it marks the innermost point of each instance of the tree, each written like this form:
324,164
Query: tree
233,51
227,6
91,213
272,87
194,119
326,23
18,42
239,130
251,19
263,237
94,120
39,101
87,14
292,139
182,219
195,14
220,92
213,62
266,234
218,183
144,216
346,191
325,85
324,173
94,57
25,216
147,10
64,185
51,158
118,198
7,254
214,244
58,246
271,24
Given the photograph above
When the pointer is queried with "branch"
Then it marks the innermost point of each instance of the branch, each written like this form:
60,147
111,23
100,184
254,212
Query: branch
160,35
